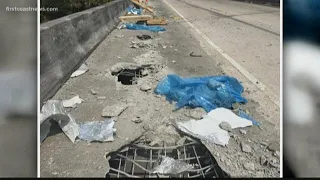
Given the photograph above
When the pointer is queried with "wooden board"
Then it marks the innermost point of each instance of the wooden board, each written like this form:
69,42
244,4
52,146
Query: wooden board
157,21
142,5
135,18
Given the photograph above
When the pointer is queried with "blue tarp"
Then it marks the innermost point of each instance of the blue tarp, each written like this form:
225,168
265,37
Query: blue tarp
207,92
133,10
144,27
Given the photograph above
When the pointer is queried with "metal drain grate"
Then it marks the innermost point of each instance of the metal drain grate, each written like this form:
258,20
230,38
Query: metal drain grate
138,161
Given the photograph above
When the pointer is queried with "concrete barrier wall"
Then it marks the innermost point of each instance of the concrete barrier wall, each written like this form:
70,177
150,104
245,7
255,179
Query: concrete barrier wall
65,43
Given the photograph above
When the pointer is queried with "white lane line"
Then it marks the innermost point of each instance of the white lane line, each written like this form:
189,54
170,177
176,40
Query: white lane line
241,69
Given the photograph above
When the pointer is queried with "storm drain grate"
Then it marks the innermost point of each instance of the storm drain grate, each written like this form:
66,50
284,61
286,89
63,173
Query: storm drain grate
138,161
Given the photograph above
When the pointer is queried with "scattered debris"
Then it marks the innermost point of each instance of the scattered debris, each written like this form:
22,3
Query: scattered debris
144,37
137,120
101,131
249,166
101,97
274,146
245,148
242,131
93,92
114,110
71,103
169,165
53,110
225,126
83,69
195,55
134,11
208,128
119,36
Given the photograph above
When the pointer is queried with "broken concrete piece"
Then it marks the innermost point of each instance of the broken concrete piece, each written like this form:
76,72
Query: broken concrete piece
276,154
71,103
83,69
225,126
117,68
242,131
169,165
114,110
245,148
145,87
93,92
249,166
137,120
196,113
263,161
53,110
274,146
97,131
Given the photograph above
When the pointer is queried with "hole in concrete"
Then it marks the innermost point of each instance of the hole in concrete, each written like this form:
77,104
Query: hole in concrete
129,76
137,161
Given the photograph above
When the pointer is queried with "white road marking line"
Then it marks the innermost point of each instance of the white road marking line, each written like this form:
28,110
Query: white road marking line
241,69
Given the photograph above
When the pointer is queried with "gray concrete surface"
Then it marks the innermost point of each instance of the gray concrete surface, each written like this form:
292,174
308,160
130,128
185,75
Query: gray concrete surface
67,42
61,158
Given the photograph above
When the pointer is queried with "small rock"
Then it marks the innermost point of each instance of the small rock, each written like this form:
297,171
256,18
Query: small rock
274,146
119,36
245,148
176,50
225,126
263,161
136,120
101,98
118,57
276,154
274,163
127,139
249,166
55,173
145,87
173,61
264,144
144,72
156,109
99,167
114,110
146,127
93,92
158,96
242,131
164,47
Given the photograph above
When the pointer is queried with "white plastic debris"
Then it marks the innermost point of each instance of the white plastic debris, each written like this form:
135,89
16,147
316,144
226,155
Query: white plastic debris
169,165
83,69
208,128
97,131
71,103
53,110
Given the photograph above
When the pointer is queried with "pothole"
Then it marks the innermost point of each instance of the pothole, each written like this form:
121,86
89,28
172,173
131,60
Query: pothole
139,161
128,73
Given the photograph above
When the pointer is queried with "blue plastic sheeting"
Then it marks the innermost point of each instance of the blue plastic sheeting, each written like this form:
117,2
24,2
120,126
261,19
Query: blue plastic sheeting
246,116
207,92
133,10
144,27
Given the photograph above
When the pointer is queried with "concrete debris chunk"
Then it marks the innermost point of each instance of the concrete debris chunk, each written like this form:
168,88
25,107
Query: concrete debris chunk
114,110
136,119
93,92
225,126
83,69
249,166
145,87
274,146
242,131
245,148
71,103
